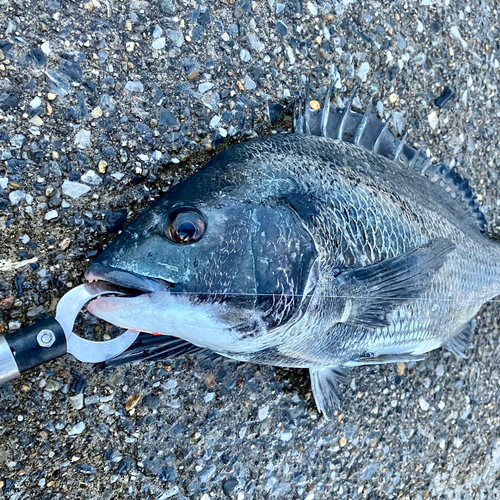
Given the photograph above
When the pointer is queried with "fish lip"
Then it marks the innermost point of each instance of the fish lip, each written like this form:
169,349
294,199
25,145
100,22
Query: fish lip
108,278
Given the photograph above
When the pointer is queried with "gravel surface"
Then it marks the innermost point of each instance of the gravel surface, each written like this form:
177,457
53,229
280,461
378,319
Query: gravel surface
103,106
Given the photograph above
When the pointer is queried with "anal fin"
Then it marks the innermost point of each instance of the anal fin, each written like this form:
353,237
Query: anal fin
461,342
326,389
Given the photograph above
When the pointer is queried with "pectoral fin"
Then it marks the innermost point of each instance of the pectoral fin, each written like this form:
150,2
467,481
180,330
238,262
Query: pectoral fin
326,390
378,289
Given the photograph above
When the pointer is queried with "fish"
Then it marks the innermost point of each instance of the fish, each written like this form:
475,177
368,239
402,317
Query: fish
333,246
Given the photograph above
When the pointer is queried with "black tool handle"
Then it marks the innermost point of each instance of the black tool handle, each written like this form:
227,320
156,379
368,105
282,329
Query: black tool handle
30,347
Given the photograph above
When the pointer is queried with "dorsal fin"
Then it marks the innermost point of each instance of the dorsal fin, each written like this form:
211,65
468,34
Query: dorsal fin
369,131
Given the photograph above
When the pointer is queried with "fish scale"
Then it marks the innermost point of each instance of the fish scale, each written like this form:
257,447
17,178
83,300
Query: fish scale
335,246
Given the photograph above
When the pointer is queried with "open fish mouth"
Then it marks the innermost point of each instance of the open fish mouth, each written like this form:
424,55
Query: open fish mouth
124,283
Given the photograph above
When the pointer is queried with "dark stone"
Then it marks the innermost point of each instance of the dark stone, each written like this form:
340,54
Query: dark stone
204,17
168,7
152,402
55,200
19,282
167,118
182,88
72,113
15,165
79,385
195,13
37,56
436,26
85,469
8,101
82,108
65,31
158,95
197,33
282,28
114,221
229,485
220,375
109,152
444,98
89,85
125,465
100,24
71,69
189,65
167,474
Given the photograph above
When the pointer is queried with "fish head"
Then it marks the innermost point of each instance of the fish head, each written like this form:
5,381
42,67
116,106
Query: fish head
216,267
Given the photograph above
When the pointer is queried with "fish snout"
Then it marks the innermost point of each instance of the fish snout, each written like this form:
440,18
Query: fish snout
133,282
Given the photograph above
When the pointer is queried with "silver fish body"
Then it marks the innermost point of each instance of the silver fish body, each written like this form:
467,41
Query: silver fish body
315,252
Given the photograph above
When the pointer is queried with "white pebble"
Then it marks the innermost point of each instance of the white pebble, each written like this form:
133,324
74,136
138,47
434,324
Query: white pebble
36,103
433,120
363,71
46,47
51,214
17,196
456,34
263,412
159,43
82,139
77,401
312,9
77,429
423,404
74,189
286,436
209,397
90,177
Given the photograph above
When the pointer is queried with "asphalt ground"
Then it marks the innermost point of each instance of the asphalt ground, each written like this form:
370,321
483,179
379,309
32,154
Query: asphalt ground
127,98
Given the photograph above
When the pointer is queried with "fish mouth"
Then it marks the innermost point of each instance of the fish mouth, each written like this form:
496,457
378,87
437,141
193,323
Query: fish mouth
104,278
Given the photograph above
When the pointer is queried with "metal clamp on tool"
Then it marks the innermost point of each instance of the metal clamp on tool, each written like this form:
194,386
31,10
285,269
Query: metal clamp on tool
49,339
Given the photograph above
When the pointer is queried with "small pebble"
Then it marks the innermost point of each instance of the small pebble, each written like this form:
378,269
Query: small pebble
245,55
423,404
444,98
82,139
263,412
312,9
134,86
159,43
77,429
74,189
433,120
52,214
90,177
249,83
36,103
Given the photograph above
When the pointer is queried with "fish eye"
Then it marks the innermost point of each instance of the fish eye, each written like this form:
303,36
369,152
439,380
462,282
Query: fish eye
185,226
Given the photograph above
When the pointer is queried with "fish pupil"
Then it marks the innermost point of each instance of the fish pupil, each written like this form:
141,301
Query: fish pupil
186,231
185,226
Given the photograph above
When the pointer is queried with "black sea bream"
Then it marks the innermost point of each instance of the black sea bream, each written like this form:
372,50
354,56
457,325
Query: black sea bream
335,246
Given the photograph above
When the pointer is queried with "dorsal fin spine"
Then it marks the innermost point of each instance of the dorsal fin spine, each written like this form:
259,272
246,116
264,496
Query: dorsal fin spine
334,123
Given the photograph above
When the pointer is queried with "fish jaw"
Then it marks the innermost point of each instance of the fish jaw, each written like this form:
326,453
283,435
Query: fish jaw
209,325
165,314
